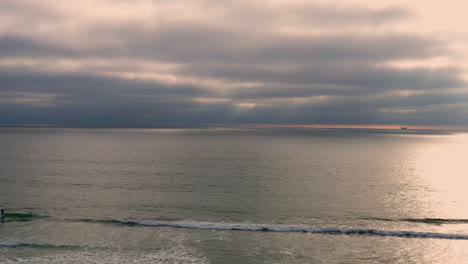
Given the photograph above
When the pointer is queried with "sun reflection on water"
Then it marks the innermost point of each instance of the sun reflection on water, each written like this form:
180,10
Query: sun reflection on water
443,165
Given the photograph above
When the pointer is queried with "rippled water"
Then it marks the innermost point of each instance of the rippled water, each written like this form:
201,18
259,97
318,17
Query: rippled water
232,196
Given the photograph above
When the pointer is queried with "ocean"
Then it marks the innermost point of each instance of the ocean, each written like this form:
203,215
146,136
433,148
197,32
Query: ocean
228,195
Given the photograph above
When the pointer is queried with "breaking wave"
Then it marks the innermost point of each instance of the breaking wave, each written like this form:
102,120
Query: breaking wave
290,229
19,217
428,220
30,245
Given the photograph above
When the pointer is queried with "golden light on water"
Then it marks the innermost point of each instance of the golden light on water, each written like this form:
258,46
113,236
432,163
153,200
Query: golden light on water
443,165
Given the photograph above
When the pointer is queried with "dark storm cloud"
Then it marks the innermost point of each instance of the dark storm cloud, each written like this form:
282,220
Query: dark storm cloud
98,101
356,110
130,114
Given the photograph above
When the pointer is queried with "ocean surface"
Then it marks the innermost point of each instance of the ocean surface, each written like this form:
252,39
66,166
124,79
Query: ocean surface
233,196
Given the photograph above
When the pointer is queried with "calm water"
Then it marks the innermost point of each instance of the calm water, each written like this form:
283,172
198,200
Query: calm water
232,196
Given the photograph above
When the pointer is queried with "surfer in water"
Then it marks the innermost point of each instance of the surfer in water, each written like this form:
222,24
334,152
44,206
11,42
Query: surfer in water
2,214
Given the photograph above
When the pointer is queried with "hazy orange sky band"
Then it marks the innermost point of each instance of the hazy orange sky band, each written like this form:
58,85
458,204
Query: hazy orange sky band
451,128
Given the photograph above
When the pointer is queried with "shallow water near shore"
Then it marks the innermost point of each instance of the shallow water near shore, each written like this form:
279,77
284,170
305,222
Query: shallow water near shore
232,196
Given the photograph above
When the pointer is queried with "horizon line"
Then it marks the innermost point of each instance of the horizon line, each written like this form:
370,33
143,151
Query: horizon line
317,126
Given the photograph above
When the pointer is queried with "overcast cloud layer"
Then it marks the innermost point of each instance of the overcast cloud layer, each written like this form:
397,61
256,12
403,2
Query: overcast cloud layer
148,63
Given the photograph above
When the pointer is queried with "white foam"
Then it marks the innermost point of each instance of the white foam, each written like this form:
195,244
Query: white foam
281,228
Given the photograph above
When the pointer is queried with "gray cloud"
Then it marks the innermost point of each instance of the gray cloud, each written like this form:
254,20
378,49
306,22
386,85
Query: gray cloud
337,79
97,101
238,69
199,43
13,46
332,14
81,100
82,84
355,110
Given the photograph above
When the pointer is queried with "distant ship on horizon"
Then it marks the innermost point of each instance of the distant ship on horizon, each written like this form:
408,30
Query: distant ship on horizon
404,128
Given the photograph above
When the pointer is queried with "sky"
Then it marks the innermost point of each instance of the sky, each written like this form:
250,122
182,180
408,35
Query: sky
195,63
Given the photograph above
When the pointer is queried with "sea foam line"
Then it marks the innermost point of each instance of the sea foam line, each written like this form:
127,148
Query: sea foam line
298,229
9,245
29,245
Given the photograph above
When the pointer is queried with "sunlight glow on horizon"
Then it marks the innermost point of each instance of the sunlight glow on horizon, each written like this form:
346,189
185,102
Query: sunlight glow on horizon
357,126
